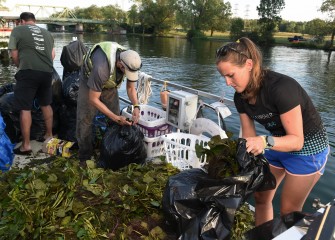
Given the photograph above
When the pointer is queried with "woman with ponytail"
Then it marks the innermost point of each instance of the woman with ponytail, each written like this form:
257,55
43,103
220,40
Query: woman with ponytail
297,145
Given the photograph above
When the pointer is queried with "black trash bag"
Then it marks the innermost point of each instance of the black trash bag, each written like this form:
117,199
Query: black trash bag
6,88
199,212
57,94
258,165
121,146
100,126
12,119
201,207
11,115
68,123
72,56
278,225
70,88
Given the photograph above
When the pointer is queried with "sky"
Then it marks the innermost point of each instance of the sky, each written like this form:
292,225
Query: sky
295,10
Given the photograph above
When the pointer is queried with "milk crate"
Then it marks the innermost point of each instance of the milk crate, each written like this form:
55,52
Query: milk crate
152,122
180,150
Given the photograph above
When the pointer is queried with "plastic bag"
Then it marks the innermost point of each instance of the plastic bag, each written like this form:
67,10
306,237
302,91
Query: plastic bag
278,225
70,88
67,123
6,88
12,119
11,115
121,146
72,56
6,148
57,96
200,207
258,166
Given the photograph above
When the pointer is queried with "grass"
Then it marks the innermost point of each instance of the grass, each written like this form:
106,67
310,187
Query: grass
280,38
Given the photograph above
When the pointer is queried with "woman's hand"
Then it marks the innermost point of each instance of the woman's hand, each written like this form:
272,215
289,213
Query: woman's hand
256,145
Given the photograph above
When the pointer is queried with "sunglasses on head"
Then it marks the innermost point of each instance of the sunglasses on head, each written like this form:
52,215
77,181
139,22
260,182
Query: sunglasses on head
222,51
131,69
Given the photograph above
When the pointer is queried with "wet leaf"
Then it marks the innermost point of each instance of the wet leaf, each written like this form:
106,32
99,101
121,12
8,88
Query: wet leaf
52,178
84,203
61,213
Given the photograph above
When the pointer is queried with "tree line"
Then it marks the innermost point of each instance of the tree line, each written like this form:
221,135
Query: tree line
197,16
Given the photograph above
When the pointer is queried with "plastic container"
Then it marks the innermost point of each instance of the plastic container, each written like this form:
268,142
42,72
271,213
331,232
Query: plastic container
152,132
155,147
149,117
180,150
152,122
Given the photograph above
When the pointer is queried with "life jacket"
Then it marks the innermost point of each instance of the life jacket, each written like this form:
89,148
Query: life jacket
110,49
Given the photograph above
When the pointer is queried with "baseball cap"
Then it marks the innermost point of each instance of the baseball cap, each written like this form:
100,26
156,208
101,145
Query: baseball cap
132,63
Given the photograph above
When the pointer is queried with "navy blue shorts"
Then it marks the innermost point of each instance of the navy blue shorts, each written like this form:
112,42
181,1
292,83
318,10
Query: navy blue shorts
298,164
31,84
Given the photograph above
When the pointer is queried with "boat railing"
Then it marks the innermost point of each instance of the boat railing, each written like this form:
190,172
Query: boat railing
190,90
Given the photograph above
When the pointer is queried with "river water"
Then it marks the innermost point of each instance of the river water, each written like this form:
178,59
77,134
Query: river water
192,64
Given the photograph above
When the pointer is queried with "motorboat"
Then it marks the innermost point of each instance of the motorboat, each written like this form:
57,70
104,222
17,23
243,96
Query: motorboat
181,114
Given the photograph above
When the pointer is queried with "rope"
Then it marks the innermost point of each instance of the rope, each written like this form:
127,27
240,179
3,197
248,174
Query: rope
143,88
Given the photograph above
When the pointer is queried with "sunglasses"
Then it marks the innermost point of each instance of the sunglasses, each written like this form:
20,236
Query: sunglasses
222,51
131,69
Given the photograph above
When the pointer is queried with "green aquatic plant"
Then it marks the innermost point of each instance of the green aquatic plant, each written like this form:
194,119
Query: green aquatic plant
220,157
59,199
221,163
66,201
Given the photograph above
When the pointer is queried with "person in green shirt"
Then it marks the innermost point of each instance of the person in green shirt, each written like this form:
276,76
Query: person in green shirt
32,51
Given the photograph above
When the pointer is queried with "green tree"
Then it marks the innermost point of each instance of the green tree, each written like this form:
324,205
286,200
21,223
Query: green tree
290,27
133,17
317,28
300,27
114,15
218,17
157,14
328,6
269,13
92,12
198,15
236,29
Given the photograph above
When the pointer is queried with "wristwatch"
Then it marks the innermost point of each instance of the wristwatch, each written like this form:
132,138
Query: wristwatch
137,106
270,142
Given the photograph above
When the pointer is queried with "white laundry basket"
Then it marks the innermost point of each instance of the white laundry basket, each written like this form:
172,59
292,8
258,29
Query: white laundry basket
180,150
152,122
155,147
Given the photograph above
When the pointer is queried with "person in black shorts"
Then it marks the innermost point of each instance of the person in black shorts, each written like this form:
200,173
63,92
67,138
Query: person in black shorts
32,51
297,147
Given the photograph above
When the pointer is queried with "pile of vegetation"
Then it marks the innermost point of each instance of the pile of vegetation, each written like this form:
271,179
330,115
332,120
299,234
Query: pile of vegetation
62,200
220,157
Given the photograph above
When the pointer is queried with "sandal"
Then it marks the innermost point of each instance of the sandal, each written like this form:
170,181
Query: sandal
18,151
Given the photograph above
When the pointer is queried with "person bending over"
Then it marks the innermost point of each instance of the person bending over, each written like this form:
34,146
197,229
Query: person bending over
105,67
297,148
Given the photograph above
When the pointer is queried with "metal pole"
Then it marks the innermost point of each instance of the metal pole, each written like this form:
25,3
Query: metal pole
195,91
